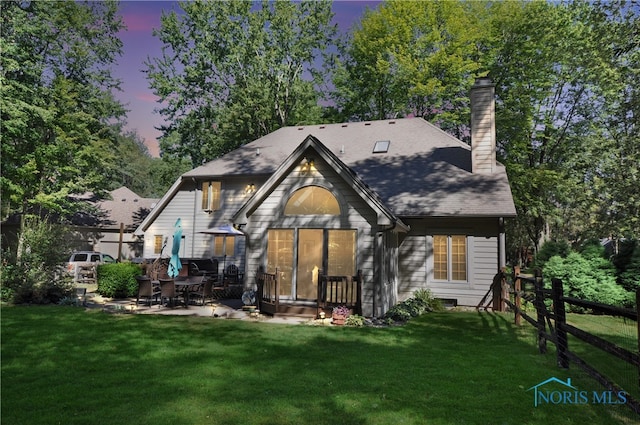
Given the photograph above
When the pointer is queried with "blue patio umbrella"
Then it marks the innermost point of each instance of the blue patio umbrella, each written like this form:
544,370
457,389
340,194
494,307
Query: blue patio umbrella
175,265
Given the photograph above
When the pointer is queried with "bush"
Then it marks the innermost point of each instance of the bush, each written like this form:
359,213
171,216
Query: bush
35,273
422,302
118,280
628,265
551,249
354,320
591,279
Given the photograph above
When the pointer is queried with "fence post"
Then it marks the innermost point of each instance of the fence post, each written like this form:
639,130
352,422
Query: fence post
562,344
638,324
517,287
540,313
496,285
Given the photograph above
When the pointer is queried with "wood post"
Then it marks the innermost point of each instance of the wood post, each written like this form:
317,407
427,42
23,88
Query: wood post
517,287
498,304
562,344
120,242
540,312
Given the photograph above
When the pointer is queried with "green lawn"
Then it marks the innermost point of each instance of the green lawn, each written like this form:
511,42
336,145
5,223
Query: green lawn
62,365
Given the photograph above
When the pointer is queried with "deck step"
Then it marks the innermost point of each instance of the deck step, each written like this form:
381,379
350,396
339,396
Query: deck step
296,310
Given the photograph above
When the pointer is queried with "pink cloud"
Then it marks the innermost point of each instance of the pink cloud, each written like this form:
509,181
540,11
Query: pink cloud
147,97
141,22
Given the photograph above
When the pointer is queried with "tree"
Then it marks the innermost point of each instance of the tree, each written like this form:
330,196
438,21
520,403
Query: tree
554,77
57,129
612,174
417,58
234,71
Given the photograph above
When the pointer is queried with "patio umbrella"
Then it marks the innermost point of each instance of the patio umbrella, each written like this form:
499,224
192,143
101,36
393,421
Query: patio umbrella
224,230
175,265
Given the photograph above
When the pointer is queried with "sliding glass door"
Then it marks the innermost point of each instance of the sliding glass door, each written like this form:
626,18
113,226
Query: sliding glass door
302,255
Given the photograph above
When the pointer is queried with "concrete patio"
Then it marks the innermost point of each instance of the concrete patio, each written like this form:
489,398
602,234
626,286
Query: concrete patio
223,309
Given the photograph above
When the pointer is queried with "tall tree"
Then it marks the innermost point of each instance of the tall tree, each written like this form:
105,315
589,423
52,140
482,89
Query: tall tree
611,174
417,58
56,104
555,78
234,71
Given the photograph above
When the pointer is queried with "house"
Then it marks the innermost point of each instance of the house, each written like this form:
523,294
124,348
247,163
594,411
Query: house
111,231
101,228
401,200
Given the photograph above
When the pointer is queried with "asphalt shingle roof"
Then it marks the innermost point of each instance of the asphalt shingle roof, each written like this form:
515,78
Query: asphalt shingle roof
425,172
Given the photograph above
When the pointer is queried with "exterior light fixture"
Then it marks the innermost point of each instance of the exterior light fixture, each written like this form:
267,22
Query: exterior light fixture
250,189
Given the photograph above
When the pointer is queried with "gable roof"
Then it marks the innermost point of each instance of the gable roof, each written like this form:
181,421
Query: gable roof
425,172
125,206
385,215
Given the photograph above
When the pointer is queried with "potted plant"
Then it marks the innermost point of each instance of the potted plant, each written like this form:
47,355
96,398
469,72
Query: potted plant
339,314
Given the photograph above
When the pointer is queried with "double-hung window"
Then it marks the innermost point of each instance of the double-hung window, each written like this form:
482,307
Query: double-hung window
450,257
210,196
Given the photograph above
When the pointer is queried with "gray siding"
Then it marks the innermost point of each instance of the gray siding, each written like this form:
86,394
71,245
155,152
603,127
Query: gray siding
355,214
187,205
416,259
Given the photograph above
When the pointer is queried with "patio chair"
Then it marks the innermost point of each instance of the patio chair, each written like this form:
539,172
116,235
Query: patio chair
168,290
205,290
232,275
146,289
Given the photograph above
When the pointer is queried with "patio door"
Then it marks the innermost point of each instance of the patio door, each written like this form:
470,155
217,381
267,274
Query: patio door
301,256
310,247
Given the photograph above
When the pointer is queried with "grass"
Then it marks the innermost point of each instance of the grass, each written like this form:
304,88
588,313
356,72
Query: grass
62,365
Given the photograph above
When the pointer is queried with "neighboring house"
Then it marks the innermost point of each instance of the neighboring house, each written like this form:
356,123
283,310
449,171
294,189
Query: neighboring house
118,218
100,230
403,201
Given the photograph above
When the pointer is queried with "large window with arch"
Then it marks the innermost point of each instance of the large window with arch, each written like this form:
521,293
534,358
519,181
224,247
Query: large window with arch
311,200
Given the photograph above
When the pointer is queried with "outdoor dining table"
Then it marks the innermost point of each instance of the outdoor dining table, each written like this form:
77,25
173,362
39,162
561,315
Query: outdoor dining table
186,287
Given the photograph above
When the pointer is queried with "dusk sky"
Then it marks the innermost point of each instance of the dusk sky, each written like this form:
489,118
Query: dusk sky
140,18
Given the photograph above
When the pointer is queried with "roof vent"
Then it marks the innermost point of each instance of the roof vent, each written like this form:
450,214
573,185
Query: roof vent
257,151
381,146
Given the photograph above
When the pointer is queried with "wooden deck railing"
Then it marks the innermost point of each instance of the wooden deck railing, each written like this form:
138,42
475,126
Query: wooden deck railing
334,291
268,295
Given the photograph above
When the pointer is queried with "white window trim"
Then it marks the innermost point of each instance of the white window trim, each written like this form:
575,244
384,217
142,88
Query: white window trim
430,261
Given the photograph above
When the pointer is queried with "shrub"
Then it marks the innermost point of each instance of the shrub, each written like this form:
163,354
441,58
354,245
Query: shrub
118,280
35,273
591,279
422,302
426,297
551,249
398,313
354,320
628,264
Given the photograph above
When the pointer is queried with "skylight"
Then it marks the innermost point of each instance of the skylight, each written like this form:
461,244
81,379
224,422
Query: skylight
381,146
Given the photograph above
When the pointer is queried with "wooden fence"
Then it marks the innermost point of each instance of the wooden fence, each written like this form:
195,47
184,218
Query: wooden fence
552,325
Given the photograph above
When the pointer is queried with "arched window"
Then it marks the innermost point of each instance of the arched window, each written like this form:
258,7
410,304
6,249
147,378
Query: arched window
312,200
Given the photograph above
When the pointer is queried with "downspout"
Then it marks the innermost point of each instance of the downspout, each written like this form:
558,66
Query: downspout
502,250
195,208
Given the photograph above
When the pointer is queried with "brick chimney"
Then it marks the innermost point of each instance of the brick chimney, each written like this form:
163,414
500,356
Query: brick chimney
483,127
